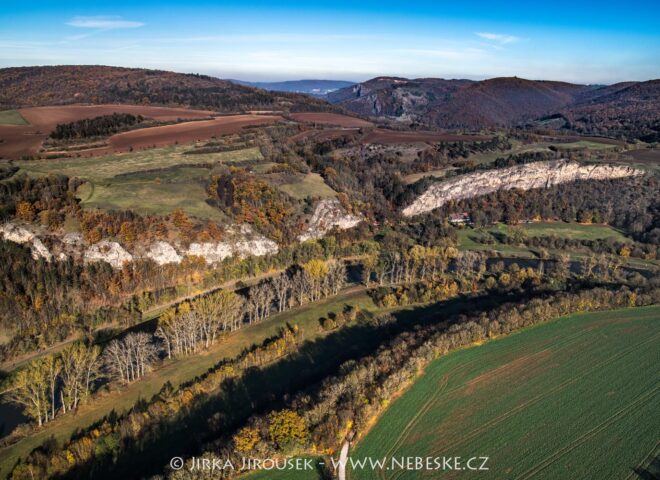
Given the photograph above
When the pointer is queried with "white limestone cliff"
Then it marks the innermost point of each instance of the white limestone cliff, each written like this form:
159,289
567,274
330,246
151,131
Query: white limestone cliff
523,177
327,215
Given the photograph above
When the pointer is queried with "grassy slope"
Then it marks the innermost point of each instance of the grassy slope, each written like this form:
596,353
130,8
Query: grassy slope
12,117
311,185
185,369
559,229
103,168
123,181
163,191
572,398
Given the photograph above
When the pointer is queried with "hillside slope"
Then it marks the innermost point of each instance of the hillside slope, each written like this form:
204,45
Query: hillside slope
630,109
61,85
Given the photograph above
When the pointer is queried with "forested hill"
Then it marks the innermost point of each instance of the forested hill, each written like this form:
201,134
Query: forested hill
60,85
628,110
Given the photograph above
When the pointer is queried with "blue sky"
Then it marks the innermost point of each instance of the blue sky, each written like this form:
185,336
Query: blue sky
586,42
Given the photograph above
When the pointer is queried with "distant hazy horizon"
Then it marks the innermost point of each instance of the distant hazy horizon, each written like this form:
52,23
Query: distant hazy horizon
588,42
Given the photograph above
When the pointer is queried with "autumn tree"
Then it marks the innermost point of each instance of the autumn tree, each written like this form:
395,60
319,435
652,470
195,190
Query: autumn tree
29,388
286,429
25,211
80,368
246,439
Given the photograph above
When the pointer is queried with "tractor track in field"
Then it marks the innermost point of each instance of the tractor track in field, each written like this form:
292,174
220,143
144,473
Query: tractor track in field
622,412
497,420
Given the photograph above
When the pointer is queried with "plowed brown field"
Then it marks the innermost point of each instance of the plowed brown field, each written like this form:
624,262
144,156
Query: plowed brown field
19,140
181,133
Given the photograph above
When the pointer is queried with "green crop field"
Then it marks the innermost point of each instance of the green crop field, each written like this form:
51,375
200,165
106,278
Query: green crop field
310,185
573,398
12,117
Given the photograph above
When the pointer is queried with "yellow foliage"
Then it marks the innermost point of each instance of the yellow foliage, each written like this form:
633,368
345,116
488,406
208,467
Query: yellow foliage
245,439
316,268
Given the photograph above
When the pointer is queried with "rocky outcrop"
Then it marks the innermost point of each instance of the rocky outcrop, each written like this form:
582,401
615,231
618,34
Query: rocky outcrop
21,235
240,241
327,215
162,253
110,252
523,177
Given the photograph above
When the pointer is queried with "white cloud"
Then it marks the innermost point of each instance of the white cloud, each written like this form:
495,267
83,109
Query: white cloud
498,37
104,22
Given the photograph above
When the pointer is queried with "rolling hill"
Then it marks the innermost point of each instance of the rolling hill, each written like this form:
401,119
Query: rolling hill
61,85
627,109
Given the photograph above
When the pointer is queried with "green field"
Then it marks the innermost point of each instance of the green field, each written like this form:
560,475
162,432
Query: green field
575,231
310,185
584,144
184,369
163,191
103,168
12,117
574,398
155,181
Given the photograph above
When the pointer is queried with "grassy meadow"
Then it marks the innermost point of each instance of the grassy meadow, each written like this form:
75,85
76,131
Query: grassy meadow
574,398
12,117
157,193
575,231
310,185
155,181
103,168
586,144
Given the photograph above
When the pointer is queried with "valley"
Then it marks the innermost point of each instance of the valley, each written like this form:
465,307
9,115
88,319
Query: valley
420,266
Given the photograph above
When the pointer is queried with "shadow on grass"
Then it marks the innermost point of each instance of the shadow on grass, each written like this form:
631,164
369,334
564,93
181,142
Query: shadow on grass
260,390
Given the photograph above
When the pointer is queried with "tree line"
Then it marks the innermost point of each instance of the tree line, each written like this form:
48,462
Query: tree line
354,397
101,126
104,439
41,387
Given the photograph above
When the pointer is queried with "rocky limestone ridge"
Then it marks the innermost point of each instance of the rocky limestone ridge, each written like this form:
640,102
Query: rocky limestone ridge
162,253
523,177
110,252
18,234
327,215
240,241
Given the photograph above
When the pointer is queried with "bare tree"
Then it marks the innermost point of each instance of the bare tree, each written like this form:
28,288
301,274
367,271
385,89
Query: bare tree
282,288
336,277
51,367
131,357
298,287
79,370
260,302
184,333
